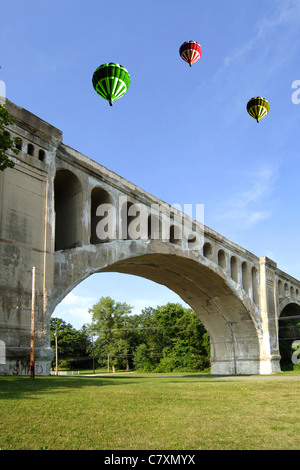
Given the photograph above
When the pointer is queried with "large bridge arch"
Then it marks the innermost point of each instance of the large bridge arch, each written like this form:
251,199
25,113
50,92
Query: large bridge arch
223,307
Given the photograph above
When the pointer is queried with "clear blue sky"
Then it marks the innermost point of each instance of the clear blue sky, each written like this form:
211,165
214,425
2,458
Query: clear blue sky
180,133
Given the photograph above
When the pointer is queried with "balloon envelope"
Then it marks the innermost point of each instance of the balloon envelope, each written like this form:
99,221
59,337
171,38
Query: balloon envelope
190,51
258,107
111,81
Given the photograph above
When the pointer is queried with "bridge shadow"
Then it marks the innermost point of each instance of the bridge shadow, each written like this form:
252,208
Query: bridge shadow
25,387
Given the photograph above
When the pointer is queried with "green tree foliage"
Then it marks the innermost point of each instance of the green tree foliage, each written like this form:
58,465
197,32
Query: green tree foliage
6,143
112,323
168,338
71,343
143,360
164,339
185,342
150,336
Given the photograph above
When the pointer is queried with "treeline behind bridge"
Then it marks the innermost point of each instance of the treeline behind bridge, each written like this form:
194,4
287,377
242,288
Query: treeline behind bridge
163,339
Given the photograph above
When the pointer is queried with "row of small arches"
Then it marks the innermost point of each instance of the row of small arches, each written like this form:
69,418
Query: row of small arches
285,290
68,230
30,149
69,215
249,277
240,271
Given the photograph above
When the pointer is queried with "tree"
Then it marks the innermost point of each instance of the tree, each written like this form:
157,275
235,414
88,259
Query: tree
151,336
6,143
71,343
185,344
164,339
171,338
143,361
112,324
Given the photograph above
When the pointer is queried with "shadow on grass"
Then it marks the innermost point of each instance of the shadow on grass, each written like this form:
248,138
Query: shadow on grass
25,387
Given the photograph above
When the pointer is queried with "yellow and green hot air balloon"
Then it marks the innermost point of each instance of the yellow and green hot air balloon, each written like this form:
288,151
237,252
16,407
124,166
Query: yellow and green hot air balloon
111,81
258,107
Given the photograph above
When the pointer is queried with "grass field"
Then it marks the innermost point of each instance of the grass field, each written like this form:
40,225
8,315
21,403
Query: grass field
144,412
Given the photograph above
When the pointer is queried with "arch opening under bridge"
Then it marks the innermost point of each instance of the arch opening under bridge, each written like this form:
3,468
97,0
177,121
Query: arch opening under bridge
289,332
225,310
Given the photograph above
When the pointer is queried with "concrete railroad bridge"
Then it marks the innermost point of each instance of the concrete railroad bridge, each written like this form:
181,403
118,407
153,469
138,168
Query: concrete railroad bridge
48,220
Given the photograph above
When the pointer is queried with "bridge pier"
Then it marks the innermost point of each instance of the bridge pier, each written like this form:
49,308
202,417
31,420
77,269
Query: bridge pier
239,355
268,301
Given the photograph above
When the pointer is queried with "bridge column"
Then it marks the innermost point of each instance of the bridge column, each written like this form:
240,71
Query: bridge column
269,352
25,241
86,212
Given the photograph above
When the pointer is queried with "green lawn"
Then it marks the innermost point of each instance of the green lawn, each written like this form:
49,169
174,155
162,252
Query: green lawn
136,411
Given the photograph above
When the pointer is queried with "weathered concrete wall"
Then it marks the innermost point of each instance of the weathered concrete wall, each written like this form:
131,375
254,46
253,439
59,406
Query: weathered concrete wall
26,234
48,220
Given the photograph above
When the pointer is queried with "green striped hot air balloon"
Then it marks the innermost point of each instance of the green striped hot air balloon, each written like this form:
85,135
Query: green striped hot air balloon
111,81
258,107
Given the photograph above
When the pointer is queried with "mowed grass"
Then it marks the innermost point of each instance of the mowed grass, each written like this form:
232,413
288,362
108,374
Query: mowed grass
140,412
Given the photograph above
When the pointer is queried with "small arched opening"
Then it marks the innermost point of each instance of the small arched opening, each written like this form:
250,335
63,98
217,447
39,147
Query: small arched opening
30,150
19,144
175,234
234,272
42,155
255,285
103,216
222,259
208,250
68,210
246,279
134,222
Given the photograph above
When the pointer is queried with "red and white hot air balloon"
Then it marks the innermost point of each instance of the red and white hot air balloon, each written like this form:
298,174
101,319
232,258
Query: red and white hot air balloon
190,51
